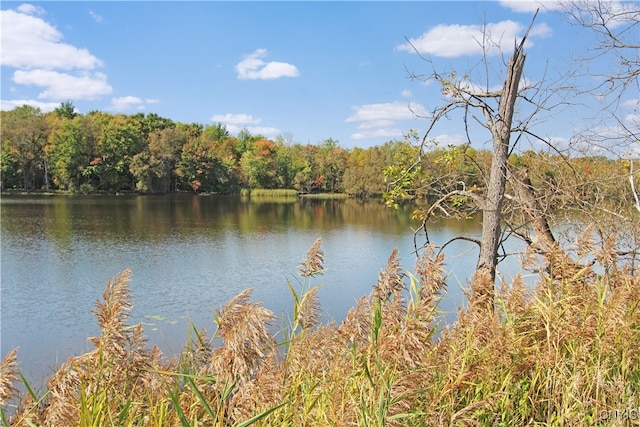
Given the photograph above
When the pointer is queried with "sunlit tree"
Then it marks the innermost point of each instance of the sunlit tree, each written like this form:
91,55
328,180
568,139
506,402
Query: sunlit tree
24,136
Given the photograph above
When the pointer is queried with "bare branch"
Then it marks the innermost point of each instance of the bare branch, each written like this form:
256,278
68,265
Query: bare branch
634,190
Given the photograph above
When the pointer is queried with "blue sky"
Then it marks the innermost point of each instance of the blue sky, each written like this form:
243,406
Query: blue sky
305,70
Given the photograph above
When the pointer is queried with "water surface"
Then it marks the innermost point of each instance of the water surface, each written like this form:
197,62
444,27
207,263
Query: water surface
189,255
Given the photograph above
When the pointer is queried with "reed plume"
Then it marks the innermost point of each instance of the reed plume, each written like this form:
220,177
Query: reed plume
391,280
308,309
313,263
243,328
112,313
430,270
8,376
103,380
264,391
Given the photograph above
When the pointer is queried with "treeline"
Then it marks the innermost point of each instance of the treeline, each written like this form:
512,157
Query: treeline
99,151
107,152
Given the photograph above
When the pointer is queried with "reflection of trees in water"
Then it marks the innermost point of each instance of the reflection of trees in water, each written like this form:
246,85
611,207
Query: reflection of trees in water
158,218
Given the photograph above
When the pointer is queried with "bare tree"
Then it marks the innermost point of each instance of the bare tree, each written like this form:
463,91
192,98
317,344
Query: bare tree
615,27
496,110
510,203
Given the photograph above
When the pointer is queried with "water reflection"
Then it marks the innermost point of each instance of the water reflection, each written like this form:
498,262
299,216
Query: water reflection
189,256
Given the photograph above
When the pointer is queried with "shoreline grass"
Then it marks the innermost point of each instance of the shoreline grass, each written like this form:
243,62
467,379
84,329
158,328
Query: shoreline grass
325,196
564,353
265,192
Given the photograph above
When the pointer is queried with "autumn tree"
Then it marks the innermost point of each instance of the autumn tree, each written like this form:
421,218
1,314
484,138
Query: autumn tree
155,167
259,164
119,139
210,161
368,171
24,136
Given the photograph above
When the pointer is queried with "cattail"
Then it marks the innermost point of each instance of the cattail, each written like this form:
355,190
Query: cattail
312,265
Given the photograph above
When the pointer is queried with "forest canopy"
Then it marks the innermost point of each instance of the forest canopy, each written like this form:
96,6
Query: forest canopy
147,153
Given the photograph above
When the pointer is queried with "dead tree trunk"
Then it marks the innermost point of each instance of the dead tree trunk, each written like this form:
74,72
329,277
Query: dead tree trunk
500,127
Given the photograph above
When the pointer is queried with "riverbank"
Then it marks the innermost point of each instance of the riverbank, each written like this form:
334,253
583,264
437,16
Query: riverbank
260,192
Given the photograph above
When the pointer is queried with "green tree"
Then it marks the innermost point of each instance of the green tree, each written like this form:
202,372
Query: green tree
209,162
152,122
331,163
70,147
259,165
66,110
154,167
364,176
24,136
119,139
304,167
368,171
284,164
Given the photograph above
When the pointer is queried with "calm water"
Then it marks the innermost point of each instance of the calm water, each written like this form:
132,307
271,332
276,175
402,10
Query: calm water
189,255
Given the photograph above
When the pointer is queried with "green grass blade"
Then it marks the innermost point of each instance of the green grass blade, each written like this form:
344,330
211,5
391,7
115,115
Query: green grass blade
28,387
201,398
260,416
5,423
174,398
124,412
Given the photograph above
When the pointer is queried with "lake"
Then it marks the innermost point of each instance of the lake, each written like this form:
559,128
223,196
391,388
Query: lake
189,255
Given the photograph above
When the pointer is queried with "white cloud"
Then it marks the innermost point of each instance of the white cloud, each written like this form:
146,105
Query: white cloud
376,124
96,17
446,139
252,67
531,6
45,107
455,40
235,118
263,130
254,130
29,9
65,86
381,120
127,103
30,42
36,49
384,112
378,133
236,122
406,94
633,119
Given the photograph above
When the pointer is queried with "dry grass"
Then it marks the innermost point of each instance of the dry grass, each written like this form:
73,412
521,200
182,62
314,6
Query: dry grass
564,352
8,376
